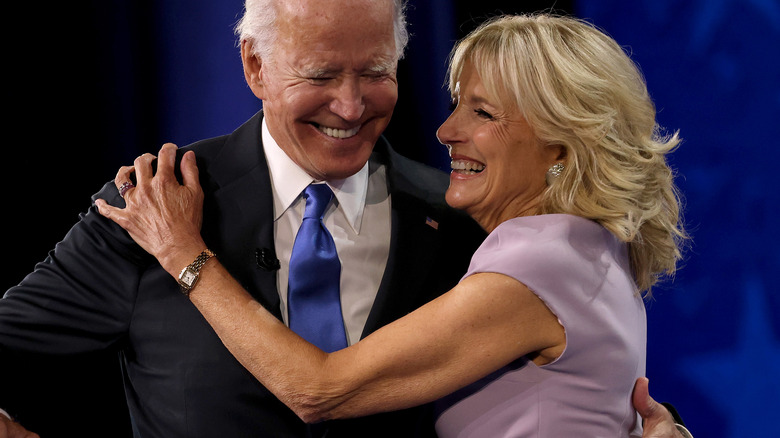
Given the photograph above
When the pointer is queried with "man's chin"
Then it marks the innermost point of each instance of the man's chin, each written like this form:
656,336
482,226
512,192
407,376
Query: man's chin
339,173
348,166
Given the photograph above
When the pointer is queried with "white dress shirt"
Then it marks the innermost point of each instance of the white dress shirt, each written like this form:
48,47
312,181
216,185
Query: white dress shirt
358,220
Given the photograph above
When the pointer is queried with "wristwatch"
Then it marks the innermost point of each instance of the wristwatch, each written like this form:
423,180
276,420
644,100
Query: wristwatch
189,275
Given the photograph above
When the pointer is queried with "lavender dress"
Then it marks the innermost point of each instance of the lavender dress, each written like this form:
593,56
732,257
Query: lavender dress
581,271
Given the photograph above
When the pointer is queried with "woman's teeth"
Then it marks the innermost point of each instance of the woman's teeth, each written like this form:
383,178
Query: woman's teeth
467,167
338,133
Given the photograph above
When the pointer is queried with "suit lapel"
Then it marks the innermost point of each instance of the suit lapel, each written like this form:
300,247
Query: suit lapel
239,221
413,244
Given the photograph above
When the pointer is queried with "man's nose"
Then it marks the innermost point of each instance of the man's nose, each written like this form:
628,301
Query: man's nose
347,101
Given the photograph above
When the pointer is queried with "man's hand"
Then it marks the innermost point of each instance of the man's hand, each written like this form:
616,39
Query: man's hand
657,420
12,429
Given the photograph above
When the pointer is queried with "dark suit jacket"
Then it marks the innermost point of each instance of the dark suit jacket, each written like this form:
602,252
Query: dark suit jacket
99,290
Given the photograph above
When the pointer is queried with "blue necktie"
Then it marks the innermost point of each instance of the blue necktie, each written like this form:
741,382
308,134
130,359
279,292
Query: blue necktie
313,299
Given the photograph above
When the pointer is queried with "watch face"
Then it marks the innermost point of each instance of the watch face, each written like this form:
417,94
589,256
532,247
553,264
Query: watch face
188,277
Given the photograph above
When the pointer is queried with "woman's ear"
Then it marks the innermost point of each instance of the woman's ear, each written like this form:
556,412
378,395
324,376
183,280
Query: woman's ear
556,153
253,66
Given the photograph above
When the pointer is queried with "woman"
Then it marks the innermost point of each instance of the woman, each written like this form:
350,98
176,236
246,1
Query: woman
555,152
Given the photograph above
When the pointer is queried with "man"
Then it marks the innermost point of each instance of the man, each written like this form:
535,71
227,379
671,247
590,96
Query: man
325,71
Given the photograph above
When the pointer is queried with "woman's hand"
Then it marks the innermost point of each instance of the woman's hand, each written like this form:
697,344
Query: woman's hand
161,215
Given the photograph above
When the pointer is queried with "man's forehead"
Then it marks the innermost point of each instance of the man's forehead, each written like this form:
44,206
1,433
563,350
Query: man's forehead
333,11
337,50
318,37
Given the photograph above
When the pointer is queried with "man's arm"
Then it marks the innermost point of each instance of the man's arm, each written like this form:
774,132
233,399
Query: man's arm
74,305
80,298
658,420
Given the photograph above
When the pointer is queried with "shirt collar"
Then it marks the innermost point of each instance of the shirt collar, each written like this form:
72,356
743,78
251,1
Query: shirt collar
289,180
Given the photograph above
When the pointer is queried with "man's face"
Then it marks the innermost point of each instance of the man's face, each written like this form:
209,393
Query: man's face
329,87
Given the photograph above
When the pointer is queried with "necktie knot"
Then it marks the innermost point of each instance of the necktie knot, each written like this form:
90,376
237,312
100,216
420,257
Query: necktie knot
318,197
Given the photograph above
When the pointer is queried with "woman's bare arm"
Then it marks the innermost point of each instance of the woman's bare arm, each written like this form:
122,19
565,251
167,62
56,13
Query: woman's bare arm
481,325
485,322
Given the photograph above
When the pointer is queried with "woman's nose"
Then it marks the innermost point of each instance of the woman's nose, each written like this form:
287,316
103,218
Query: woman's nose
448,131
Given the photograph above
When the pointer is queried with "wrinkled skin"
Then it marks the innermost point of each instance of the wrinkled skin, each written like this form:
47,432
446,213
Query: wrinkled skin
160,211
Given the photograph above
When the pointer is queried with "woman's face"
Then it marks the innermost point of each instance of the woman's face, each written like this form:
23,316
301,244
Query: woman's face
498,165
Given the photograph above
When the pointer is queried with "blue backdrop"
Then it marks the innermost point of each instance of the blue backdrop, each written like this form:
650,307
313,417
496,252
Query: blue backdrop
97,83
712,67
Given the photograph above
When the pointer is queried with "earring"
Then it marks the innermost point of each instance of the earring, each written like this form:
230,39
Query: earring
554,172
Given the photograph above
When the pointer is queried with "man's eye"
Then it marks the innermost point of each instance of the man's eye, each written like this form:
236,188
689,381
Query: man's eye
376,76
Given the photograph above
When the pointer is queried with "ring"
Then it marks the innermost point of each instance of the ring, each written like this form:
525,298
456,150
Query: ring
127,185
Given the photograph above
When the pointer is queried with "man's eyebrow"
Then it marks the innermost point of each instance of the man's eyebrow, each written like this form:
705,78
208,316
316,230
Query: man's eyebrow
316,72
383,66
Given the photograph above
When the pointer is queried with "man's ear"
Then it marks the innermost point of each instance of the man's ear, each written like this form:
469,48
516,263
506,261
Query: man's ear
252,69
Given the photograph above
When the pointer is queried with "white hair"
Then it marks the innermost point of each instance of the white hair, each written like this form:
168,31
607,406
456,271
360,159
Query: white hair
258,26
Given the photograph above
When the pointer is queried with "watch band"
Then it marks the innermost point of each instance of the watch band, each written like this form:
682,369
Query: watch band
189,275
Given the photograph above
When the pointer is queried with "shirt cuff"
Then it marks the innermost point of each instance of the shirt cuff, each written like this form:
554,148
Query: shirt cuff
2,412
683,431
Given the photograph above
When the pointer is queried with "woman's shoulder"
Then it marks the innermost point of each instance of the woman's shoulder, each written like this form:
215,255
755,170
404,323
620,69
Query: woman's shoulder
550,223
548,233
552,245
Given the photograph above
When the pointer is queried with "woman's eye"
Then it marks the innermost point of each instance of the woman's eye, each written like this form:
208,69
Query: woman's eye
484,114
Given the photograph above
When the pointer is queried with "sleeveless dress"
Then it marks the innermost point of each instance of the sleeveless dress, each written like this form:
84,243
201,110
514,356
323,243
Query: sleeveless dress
581,272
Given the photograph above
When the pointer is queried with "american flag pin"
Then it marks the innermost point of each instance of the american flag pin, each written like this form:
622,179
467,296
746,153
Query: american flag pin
431,223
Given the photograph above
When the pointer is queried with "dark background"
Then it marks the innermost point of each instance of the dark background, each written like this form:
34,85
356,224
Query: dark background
91,85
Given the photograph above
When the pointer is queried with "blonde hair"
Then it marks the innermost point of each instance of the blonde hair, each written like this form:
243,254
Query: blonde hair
577,88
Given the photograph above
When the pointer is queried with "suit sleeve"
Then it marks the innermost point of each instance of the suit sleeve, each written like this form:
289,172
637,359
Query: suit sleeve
80,298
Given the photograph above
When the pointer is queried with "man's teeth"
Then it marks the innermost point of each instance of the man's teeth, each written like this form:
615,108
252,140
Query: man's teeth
467,167
338,133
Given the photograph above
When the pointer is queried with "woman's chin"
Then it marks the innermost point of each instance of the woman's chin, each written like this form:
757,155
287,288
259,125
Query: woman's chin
457,200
